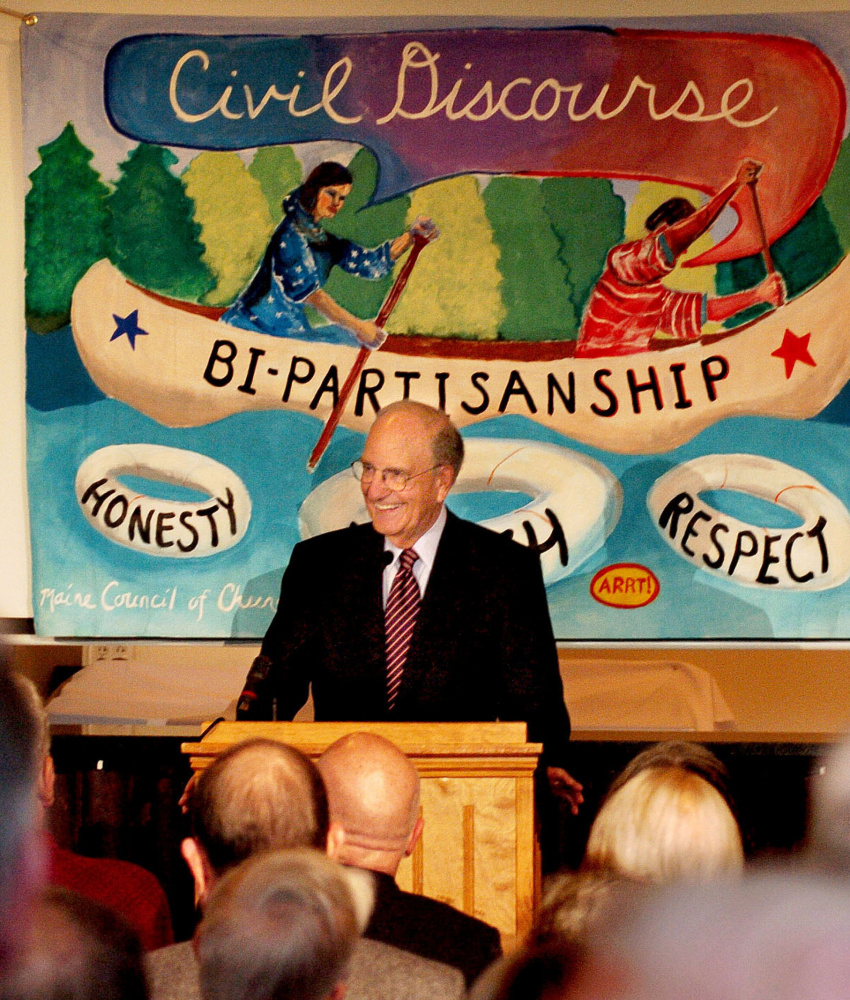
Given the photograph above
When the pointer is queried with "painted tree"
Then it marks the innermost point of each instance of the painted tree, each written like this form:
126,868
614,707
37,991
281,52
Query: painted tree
809,251
588,219
234,218
155,239
836,195
66,228
454,290
535,289
278,171
803,256
368,225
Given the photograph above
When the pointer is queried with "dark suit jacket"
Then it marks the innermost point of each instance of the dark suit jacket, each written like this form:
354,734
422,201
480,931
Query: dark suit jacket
482,649
431,929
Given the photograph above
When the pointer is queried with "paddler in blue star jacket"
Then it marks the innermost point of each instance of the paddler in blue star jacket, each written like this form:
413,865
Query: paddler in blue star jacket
298,261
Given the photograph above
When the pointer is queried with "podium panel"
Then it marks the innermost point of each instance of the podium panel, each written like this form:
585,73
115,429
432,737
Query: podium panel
479,848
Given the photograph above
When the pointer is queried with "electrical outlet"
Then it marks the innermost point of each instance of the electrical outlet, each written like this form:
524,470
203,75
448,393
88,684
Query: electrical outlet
107,652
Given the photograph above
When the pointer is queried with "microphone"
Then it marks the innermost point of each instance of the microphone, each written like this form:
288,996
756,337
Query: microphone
254,701
254,682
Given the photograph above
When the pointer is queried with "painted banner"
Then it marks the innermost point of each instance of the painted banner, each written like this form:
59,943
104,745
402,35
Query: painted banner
615,254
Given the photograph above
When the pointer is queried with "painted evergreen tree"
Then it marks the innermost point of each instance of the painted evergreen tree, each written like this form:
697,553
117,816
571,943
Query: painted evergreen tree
803,256
809,251
278,171
535,288
234,218
588,219
836,195
369,226
154,238
66,228
454,290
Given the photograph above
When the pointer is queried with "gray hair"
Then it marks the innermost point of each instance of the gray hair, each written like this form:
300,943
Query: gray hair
446,442
282,925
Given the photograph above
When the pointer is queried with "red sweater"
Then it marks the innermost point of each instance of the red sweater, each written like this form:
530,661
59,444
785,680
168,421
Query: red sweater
132,891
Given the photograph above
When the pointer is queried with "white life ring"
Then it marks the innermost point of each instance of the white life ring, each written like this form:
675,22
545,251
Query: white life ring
158,527
813,556
576,501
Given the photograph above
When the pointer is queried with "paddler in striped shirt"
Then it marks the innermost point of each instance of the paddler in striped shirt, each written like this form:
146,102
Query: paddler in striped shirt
630,304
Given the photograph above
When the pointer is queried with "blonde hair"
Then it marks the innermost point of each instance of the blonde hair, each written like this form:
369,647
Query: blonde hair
662,824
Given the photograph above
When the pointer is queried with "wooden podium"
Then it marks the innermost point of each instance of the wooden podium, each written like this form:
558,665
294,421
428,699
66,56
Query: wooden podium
479,848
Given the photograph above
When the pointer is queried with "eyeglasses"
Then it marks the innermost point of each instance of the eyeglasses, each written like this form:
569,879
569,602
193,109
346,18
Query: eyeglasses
393,479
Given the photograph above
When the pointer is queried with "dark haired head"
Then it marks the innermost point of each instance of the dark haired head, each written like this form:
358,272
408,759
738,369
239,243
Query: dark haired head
532,973
326,174
669,212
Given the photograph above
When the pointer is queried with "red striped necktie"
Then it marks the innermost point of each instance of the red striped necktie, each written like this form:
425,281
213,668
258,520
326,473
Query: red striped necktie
400,620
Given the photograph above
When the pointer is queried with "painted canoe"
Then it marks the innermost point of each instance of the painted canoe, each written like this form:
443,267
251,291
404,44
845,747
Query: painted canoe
176,363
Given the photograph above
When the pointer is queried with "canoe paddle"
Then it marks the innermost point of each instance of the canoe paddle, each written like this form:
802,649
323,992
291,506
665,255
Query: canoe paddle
420,241
765,246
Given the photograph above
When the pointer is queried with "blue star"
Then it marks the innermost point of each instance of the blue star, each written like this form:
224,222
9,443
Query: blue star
130,326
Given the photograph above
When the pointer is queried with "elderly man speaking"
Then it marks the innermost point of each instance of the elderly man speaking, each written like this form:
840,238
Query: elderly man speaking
419,616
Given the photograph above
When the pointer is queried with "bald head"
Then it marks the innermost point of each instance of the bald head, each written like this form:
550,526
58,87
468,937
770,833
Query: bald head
258,796
373,792
433,425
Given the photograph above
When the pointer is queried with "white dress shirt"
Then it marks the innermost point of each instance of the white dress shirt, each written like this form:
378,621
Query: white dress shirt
426,549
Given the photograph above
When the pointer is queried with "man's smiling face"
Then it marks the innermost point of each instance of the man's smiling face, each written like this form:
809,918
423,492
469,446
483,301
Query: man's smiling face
401,442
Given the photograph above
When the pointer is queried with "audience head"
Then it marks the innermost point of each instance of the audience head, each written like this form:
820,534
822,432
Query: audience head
282,926
259,795
773,935
80,950
531,973
829,822
373,793
21,854
665,823
693,757
573,904
45,774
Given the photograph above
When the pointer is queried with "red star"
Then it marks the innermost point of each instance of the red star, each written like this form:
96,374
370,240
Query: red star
794,349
